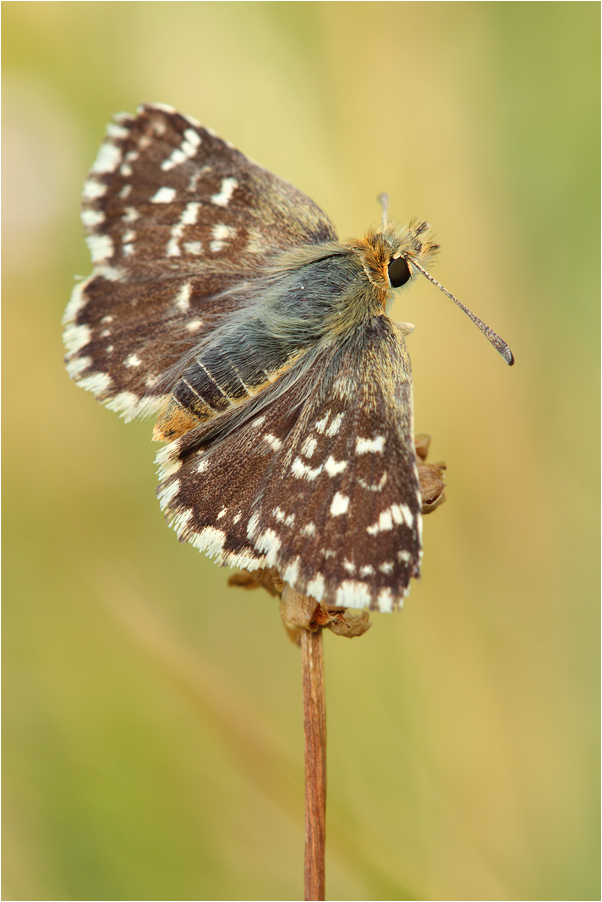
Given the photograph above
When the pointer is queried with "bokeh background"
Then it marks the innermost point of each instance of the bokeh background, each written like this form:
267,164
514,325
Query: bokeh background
153,744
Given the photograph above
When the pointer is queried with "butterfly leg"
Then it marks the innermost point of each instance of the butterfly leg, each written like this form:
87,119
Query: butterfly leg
265,578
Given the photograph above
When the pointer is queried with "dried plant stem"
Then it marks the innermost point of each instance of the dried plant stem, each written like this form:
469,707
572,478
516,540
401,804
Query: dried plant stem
314,720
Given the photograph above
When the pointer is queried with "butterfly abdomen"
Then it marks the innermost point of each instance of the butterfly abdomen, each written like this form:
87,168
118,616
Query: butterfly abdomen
227,372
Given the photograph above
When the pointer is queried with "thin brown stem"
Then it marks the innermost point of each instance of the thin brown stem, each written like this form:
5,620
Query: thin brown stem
314,721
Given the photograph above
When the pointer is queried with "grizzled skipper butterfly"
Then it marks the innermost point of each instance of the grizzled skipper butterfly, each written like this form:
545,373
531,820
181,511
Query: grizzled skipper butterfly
223,302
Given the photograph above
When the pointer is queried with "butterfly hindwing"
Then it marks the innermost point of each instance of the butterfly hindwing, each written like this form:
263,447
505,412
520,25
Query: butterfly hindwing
175,217
320,482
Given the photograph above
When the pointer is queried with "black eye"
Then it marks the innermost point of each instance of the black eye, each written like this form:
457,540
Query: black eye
399,272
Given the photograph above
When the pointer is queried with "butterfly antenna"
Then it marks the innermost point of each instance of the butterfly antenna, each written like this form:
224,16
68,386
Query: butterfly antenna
383,200
497,342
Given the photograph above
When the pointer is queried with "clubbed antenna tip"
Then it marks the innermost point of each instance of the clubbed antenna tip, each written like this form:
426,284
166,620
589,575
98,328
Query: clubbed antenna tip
498,343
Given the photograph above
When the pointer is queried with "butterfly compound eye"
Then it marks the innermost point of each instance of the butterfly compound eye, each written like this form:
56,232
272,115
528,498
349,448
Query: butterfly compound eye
399,272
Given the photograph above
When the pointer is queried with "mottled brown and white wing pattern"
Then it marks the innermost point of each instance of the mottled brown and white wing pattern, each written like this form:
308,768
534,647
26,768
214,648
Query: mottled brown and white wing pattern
175,217
317,479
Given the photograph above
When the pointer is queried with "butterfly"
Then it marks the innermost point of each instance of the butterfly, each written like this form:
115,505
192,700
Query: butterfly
223,303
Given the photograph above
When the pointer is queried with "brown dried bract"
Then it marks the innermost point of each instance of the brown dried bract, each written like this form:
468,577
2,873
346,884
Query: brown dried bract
301,612
430,476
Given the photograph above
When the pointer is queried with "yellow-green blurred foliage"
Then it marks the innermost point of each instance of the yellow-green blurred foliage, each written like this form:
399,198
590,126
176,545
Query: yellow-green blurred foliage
152,716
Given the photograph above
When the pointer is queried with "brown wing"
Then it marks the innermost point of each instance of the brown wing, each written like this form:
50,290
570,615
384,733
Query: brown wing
316,477
175,218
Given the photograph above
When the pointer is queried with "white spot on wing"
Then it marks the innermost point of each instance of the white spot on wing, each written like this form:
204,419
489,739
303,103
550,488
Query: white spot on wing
124,402
188,217
94,189
108,159
385,601
210,540
112,273
166,459
291,574
335,424
273,441
100,247
320,425
78,365
77,302
269,543
194,178
373,486
96,383
159,126
282,517
315,587
365,445
185,151
91,218
252,526
385,521
222,198
333,467
395,514
131,215
183,297
168,493
118,132
220,233
163,196
302,471
181,519
340,504
353,594
407,515
309,446
75,337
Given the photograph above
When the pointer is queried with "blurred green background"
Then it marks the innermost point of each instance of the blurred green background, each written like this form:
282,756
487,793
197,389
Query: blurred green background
153,744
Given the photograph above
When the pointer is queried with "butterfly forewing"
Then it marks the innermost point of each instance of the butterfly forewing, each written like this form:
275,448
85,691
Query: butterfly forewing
175,217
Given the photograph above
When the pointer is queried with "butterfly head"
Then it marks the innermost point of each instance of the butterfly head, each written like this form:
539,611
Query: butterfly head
388,252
